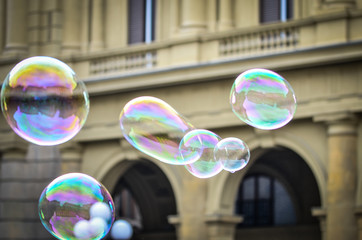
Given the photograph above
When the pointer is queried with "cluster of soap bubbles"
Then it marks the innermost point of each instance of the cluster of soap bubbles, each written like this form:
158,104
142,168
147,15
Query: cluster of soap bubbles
259,97
76,206
155,128
45,104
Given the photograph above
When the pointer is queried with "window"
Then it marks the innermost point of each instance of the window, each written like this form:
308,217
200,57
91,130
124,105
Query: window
264,201
276,10
141,21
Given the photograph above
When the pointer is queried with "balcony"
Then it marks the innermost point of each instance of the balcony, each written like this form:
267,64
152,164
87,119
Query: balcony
276,46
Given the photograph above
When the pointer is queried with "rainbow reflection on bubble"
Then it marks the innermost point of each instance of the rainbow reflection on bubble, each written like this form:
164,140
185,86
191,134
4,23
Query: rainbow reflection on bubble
199,145
155,128
67,200
233,153
43,102
263,99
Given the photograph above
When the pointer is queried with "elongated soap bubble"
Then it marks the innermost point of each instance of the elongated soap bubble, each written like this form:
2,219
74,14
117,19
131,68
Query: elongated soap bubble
64,207
43,102
155,128
263,99
199,145
233,153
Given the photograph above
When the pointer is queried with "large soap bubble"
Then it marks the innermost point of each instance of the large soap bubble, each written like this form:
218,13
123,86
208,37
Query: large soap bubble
199,145
65,204
43,102
263,99
233,153
155,128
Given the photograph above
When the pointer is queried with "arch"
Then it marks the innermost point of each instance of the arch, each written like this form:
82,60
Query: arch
150,191
123,160
225,185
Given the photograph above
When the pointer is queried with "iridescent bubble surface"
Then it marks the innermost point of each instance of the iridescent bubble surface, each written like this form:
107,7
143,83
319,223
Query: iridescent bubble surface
263,99
64,207
155,128
233,153
43,102
198,145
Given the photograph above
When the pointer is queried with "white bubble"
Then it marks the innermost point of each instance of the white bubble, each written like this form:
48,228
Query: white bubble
97,226
81,229
121,230
101,210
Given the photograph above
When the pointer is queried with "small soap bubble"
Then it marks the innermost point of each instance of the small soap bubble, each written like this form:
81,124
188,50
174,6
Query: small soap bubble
43,102
121,230
97,227
100,210
263,99
199,145
81,229
64,206
233,153
155,128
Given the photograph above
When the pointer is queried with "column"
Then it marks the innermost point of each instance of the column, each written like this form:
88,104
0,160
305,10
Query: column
320,213
16,189
225,21
71,157
342,178
116,24
193,17
16,26
97,33
190,224
71,26
222,227
2,24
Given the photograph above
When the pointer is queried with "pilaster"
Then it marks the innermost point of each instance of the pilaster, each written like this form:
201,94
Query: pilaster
71,27
225,21
16,27
97,26
190,223
193,16
71,157
222,227
342,176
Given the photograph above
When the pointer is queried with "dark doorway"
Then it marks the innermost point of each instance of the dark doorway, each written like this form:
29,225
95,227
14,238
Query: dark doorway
276,197
144,197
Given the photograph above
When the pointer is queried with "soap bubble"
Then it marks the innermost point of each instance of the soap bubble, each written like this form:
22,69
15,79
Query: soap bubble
121,230
43,102
100,210
64,206
198,145
98,227
155,128
233,153
263,99
81,229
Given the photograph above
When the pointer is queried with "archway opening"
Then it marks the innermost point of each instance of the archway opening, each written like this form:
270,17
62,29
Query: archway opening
143,195
276,197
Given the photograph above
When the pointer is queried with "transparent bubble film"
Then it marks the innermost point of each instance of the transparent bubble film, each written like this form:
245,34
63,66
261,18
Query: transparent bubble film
43,102
155,128
65,208
199,145
263,99
233,153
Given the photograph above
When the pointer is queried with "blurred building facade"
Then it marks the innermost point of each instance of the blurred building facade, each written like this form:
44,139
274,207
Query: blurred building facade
304,181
